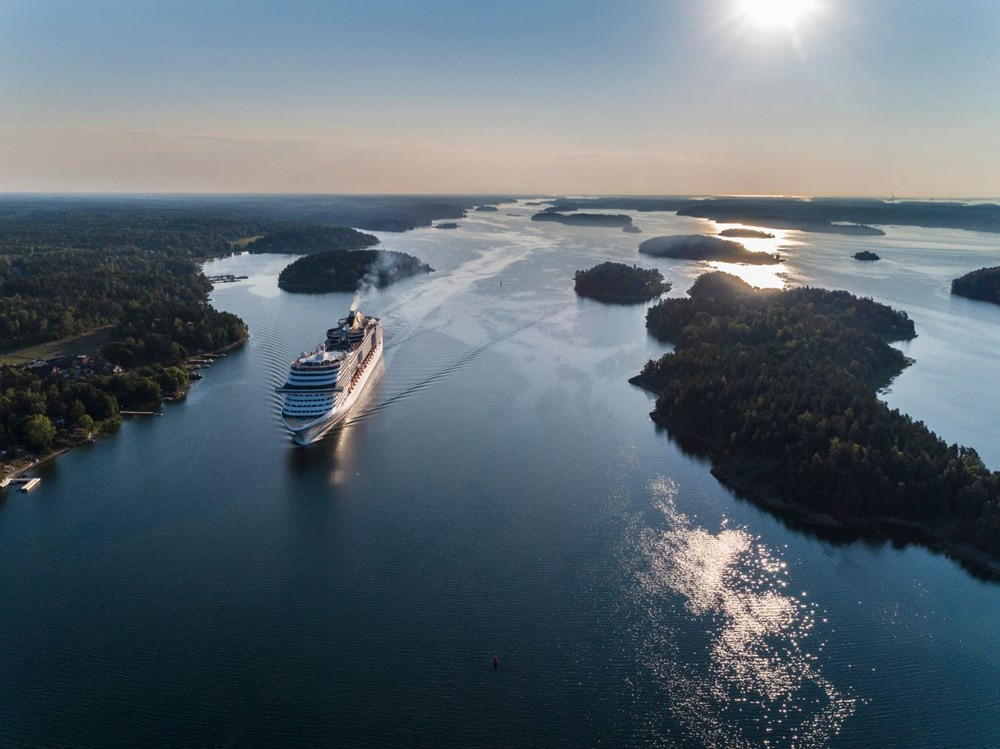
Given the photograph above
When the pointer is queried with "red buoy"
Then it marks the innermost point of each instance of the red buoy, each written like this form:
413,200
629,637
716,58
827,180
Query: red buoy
496,661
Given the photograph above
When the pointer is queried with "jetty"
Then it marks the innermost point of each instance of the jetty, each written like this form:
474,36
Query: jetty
27,484
227,278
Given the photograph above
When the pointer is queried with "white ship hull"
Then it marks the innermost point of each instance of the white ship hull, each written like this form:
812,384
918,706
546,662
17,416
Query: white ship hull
325,384
307,432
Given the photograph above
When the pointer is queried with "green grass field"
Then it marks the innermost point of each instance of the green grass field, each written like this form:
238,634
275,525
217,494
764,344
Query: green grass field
241,244
88,343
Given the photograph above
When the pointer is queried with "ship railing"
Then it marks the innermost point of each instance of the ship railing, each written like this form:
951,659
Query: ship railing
308,389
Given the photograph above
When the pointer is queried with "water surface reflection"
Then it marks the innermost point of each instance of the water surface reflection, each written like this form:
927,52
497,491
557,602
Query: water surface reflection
750,676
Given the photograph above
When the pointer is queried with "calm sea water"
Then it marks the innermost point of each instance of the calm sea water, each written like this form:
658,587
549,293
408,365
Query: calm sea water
196,580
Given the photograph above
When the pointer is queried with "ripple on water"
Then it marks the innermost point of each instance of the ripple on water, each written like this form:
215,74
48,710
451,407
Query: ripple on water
737,663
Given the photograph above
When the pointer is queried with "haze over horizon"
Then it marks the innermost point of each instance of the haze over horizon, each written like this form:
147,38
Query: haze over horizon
815,97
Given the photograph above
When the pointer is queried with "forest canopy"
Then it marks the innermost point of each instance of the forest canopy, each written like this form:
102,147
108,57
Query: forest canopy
617,282
780,388
346,271
981,284
585,219
69,268
312,238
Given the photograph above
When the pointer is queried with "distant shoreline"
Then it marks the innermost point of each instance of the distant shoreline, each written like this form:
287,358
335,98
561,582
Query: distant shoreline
851,216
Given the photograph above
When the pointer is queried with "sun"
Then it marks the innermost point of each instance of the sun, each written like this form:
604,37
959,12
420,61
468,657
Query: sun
775,12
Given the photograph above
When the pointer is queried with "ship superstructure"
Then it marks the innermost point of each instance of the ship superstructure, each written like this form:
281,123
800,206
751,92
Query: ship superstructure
323,384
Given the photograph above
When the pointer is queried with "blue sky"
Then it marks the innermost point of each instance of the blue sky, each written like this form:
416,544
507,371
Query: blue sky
389,96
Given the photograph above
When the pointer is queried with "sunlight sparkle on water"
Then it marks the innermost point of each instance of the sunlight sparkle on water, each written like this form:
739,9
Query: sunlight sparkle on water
758,666
761,276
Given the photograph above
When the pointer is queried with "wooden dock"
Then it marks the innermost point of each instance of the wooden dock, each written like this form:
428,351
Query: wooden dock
27,484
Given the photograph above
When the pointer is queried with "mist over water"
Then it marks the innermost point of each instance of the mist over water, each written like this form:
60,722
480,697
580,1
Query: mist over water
500,489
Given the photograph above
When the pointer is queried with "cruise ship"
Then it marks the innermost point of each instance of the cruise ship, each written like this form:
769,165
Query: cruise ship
324,384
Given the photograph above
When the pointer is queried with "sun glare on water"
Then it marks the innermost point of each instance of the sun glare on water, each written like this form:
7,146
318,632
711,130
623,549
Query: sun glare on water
785,13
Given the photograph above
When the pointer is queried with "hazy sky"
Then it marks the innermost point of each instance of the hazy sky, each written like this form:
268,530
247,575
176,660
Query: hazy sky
634,96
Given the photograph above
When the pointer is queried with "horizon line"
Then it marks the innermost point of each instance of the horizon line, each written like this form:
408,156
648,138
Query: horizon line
484,194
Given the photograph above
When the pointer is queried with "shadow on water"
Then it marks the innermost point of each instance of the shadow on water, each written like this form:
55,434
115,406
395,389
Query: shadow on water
875,533
688,446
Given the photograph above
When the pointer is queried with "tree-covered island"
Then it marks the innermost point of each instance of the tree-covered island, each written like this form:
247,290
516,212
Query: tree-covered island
745,234
698,247
585,219
620,283
866,255
345,271
312,238
779,387
982,284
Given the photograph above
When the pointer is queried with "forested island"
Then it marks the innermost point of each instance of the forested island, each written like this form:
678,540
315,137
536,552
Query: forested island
487,208
312,238
347,271
620,283
631,229
698,247
982,284
779,387
866,255
584,219
745,234
446,225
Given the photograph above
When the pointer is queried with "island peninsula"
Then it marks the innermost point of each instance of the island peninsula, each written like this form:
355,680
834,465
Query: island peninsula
779,388
585,219
982,284
745,234
698,247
